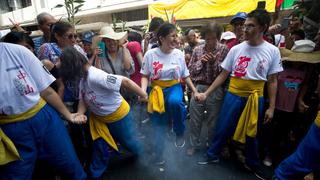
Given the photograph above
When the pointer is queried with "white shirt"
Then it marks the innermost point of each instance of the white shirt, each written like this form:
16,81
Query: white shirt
161,66
279,40
22,78
101,91
253,62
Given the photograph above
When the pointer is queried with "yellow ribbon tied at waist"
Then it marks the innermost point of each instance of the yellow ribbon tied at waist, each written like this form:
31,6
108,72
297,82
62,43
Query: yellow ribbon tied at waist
317,121
248,122
156,97
8,151
98,127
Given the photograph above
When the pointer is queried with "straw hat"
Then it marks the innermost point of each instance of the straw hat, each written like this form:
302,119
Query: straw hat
108,32
302,51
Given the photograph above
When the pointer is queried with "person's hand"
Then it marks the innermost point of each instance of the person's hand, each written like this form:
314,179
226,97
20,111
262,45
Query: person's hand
200,97
124,44
78,118
196,95
97,51
268,115
275,29
302,107
143,99
148,36
206,57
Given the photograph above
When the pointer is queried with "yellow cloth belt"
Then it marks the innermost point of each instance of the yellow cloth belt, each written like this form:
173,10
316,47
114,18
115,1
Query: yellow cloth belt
98,127
8,151
248,122
317,121
156,98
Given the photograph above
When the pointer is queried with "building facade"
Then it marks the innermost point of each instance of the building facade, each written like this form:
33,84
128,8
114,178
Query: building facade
93,13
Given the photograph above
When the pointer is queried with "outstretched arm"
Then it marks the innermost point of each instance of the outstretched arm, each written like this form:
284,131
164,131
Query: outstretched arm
51,97
216,83
191,86
81,107
132,86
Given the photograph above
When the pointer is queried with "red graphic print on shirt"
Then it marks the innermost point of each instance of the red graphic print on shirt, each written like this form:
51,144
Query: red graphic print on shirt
22,85
157,69
93,100
241,66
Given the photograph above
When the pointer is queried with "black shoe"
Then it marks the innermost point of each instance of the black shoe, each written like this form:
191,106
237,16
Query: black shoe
208,160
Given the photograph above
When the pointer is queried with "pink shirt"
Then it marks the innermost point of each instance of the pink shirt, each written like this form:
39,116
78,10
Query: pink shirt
135,48
289,84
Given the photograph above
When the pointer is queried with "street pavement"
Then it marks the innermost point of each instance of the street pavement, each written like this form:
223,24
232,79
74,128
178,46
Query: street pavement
178,164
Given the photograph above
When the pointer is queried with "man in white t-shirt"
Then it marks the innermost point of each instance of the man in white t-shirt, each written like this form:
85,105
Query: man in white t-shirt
27,121
250,64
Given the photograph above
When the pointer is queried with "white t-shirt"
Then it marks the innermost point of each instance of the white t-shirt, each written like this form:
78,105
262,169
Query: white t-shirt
253,62
22,78
280,40
101,91
161,66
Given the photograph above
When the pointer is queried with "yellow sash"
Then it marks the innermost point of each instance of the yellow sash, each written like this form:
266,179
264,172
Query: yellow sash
98,127
248,122
317,121
156,98
8,151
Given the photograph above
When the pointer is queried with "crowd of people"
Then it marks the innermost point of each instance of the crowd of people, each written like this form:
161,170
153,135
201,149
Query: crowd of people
74,100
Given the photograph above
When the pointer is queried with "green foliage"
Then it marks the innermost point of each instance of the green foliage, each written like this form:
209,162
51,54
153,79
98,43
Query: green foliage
172,19
115,21
72,8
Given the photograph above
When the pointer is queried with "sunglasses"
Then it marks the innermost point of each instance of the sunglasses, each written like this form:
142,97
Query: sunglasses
70,36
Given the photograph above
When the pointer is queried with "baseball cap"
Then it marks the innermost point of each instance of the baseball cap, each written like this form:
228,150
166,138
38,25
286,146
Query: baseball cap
239,15
87,36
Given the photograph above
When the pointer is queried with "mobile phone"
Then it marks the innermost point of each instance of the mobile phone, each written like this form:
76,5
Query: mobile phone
284,24
102,46
261,5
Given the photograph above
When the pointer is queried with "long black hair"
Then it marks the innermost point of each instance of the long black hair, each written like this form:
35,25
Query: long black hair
72,64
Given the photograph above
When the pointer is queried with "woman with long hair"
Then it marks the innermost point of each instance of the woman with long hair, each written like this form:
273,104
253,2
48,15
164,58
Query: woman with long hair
110,115
62,35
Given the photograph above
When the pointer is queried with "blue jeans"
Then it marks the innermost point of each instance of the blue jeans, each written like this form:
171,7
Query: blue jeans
174,110
43,136
230,113
123,131
305,160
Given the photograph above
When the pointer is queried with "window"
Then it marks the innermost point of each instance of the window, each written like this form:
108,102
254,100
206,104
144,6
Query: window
134,15
11,5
